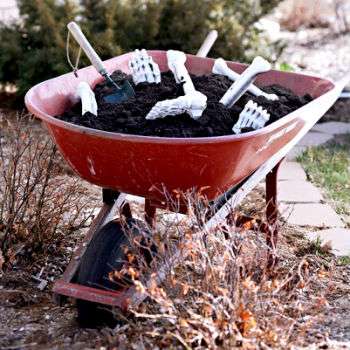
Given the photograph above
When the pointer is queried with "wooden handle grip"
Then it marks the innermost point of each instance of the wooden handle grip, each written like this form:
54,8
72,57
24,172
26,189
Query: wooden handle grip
207,44
86,46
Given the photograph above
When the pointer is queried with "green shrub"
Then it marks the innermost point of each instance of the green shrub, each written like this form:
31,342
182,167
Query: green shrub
33,48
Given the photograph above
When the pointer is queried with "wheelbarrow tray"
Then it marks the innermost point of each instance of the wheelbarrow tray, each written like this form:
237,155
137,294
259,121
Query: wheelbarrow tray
150,166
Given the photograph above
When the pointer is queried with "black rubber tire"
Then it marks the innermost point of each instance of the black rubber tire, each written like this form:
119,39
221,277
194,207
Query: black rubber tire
102,253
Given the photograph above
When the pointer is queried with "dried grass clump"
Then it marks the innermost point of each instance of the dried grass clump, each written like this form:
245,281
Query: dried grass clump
38,203
219,292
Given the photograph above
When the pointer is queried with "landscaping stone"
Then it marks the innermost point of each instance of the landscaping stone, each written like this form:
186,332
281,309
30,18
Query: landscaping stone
332,128
338,237
298,191
291,171
311,214
315,139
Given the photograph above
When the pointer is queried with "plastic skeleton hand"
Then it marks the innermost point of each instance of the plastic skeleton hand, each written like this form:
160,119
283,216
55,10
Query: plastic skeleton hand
182,104
143,68
252,116
220,67
193,103
87,97
241,85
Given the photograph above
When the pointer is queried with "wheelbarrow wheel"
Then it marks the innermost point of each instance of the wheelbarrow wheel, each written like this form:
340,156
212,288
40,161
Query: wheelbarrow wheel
104,254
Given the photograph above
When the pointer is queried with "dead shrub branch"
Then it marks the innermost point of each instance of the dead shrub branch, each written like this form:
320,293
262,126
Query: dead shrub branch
38,201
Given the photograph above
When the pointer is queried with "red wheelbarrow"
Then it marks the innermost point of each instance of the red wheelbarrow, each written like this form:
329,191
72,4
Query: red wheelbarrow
225,168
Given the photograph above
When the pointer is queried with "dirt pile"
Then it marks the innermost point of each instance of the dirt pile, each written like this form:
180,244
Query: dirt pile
217,120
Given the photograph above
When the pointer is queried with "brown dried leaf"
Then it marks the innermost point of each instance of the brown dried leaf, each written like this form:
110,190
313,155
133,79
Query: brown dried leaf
271,336
248,321
139,287
184,288
183,323
207,310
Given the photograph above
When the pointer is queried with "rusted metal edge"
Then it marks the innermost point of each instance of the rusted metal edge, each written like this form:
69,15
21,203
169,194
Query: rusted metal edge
100,296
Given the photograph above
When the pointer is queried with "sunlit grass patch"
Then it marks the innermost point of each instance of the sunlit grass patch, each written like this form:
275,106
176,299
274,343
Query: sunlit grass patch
328,166
344,260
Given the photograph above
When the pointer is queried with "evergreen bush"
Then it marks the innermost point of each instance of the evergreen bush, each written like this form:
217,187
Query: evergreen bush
33,48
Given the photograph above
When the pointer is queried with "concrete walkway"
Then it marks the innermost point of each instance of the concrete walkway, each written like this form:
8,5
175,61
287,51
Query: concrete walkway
302,204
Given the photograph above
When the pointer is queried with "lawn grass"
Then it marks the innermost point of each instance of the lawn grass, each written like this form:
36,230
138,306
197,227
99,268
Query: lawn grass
344,260
328,166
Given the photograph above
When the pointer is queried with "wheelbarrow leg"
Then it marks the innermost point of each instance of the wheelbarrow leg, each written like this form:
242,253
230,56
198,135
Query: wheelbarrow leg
150,213
109,197
272,212
112,200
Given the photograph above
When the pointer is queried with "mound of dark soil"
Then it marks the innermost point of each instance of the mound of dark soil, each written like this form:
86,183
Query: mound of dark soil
129,116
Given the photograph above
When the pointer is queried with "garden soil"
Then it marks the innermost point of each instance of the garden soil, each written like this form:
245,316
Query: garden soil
129,116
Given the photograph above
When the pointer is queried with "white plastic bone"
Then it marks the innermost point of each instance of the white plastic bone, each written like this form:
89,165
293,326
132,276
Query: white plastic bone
193,103
87,97
176,63
143,68
220,67
252,116
240,86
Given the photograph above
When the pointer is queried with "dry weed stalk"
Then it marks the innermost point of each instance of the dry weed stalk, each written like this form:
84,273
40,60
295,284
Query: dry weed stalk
219,292
37,202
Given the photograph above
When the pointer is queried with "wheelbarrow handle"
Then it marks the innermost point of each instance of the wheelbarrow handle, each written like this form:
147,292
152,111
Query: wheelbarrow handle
87,48
207,44
341,83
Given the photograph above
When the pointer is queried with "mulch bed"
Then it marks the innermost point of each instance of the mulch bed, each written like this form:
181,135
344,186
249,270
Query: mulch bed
129,116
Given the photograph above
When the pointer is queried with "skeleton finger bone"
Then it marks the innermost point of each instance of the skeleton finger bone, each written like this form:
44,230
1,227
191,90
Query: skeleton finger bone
143,68
87,97
253,116
240,86
220,67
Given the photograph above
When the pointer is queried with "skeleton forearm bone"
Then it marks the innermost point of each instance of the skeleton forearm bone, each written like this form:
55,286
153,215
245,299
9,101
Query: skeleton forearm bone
193,103
220,67
87,97
176,63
